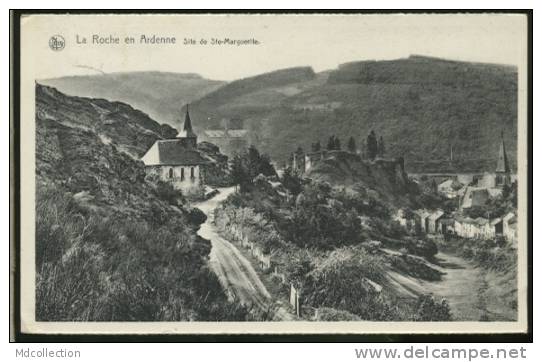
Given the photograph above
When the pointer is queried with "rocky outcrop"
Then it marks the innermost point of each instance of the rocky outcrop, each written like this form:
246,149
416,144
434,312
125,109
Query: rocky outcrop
217,172
385,176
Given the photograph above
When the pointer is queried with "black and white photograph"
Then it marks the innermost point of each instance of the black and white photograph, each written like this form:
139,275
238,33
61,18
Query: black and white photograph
274,173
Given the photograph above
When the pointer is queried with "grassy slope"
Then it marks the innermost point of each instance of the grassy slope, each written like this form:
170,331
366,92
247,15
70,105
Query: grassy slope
110,245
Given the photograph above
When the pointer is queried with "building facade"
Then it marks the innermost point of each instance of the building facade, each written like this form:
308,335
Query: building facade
231,141
178,161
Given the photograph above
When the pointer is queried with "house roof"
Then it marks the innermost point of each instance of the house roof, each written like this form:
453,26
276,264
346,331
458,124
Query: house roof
481,220
508,216
446,221
435,215
422,213
495,221
464,220
450,183
232,133
173,152
446,183
475,196
494,191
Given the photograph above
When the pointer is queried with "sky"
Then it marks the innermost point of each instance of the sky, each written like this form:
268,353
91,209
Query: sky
320,41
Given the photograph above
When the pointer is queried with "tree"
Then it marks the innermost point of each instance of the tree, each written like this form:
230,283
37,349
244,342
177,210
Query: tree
363,150
372,145
316,147
331,143
249,164
352,145
259,163
292,182
239,173
337,143
381,147
265,167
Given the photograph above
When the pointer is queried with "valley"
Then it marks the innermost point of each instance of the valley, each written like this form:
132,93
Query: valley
313,217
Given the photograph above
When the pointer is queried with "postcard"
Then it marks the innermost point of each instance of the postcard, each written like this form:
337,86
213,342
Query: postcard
273,173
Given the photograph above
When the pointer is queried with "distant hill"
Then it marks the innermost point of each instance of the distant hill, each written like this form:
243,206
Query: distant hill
422,107
159,94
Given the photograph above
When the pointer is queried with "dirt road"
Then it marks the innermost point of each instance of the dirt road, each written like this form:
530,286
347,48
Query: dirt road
234,271
467,288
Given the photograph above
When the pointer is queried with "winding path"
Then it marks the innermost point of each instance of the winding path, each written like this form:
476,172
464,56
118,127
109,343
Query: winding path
234,271
466,287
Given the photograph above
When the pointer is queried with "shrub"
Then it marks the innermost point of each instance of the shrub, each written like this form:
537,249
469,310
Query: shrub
423,247
166,192
196,216
116,267
430,309
340,281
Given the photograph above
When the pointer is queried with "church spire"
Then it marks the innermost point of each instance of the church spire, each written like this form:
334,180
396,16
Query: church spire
502,163
187,128
187,135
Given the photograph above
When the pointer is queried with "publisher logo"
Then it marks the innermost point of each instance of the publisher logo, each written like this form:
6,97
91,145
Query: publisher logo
57,43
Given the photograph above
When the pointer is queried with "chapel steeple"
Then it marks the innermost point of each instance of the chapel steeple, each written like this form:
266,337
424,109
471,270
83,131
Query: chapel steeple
187,132
503,167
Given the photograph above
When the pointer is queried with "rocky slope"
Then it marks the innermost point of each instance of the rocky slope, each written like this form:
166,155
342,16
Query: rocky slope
111,244
387,177
126,129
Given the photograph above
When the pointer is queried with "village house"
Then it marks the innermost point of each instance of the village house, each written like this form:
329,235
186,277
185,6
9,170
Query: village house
489,185
484,229
432,221
509,226
465,227
474,196
445,226
230,140
178,161
496,225
421,219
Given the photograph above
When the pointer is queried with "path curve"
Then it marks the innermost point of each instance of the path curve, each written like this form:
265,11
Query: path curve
234,271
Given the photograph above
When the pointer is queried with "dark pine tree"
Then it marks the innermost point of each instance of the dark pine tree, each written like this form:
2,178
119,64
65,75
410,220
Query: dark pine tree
381,147
352,145
337,143
372,146
316,147
331,143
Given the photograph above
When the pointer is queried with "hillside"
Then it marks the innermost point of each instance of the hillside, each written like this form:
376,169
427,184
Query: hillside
421,106
159,94
110,244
